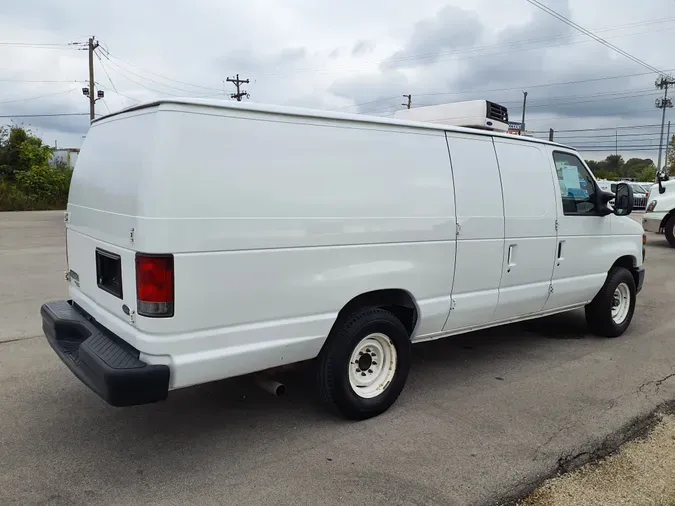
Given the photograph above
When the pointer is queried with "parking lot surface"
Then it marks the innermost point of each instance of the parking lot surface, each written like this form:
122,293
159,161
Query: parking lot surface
483,416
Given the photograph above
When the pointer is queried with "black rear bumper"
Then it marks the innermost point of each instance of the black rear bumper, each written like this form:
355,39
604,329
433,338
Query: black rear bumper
101,360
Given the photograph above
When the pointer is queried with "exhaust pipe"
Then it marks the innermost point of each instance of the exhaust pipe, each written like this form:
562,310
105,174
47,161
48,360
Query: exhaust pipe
269,385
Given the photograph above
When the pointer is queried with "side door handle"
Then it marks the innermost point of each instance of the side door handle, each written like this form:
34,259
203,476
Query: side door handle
560,252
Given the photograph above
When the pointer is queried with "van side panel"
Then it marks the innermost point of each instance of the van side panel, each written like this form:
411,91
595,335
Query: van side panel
480,242
276,223
530,236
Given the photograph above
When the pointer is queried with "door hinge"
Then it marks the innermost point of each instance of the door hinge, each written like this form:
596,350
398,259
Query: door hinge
66,217
453,304
132,317
458,230
550,288
131,235
556,225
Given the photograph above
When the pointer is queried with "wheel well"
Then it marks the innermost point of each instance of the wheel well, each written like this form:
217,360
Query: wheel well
666,218
628,262
395,300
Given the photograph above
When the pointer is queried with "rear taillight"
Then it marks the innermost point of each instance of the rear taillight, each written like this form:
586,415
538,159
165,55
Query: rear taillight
154,285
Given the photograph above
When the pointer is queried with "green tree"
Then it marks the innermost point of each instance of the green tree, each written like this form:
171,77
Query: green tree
20,151
45,183
670,163
647,174
614,163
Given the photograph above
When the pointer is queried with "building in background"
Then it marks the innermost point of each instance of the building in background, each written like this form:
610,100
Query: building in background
66,156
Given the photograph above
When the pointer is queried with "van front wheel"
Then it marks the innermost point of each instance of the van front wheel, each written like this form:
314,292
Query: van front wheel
669,231
609,314
364,364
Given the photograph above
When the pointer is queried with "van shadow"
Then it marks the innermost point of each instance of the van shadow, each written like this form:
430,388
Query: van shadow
239,406
234,424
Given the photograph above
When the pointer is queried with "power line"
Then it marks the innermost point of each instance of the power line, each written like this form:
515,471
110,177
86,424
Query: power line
40,81
37,97
595,136
611,149
558,101
100,61
44,115
598,129
590,34
118,68
117,92
23,45
116,59
515,88
141,84
338,68
558,117
106,106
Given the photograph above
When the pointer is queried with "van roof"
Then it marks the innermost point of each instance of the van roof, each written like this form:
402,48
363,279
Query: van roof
317,113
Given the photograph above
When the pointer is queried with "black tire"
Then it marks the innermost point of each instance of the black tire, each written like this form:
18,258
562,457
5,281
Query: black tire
599,311
333,363
669,230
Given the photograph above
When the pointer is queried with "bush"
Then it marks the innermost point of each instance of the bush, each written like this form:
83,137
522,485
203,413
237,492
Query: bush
27,181
44,182
41,188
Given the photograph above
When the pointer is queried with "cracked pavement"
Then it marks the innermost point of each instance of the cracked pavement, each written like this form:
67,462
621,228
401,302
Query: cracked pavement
482,420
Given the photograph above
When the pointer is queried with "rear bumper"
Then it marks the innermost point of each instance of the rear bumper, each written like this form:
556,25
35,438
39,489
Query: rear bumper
640,274
101,360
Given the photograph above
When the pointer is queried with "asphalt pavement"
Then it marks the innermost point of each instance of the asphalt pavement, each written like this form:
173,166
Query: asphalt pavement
484,416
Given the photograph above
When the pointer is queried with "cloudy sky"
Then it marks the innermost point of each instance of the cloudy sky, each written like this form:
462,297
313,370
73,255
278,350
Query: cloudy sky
352,56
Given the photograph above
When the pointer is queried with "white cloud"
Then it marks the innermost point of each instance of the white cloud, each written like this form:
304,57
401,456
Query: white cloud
337,55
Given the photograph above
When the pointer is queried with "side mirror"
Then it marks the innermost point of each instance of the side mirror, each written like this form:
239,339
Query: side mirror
659,178
623,201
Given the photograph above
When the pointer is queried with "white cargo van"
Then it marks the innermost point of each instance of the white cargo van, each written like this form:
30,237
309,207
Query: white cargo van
660,213
209,239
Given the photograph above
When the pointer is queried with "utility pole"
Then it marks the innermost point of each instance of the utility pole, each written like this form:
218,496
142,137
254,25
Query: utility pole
238,82
409,104
550,134
93,44
522,124
664,103
667,146
88,91
616,143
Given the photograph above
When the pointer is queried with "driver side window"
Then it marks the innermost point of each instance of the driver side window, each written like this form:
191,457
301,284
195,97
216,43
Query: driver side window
577,186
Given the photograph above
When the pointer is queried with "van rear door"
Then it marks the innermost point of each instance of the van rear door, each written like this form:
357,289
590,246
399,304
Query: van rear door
103,210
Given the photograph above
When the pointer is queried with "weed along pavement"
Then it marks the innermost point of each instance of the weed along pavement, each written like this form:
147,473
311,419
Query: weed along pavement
484,417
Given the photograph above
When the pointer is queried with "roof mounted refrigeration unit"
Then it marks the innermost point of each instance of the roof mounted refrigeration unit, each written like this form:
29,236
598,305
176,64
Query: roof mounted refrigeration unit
481,114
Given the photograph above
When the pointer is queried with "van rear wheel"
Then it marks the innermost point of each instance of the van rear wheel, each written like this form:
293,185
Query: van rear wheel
364,364
609,314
